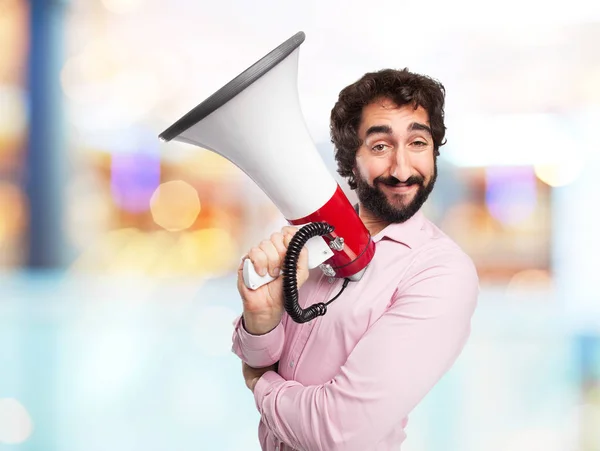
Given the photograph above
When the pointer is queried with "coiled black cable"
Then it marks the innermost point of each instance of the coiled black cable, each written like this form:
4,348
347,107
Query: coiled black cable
290,282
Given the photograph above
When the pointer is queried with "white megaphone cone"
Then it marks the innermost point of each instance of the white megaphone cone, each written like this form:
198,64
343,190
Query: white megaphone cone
255,121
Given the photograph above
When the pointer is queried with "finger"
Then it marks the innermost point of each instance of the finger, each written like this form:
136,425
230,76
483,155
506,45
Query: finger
289,230
278,241
303,257
273,257
259,260
287,238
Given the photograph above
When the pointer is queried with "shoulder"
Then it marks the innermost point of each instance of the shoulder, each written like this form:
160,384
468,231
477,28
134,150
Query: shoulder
440,249
441,264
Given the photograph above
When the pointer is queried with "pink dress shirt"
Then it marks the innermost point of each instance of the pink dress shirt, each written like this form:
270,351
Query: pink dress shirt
347,381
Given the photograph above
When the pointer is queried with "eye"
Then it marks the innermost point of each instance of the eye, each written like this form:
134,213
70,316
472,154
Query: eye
419,143
379,147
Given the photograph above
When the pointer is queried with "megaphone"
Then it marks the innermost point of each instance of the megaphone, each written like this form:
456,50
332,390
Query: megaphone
255,122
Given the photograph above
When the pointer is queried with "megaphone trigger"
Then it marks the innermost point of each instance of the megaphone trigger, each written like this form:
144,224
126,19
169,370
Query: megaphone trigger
318,252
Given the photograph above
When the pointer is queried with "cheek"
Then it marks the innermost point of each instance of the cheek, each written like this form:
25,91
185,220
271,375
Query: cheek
424,166
370,168
360,169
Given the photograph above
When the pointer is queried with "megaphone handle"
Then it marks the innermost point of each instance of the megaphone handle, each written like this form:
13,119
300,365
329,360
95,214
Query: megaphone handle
318,252
252,279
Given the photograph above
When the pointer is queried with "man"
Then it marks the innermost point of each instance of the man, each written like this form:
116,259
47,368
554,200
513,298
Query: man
348,380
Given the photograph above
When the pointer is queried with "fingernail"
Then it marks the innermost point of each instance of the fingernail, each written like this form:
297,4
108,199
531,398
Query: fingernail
276,272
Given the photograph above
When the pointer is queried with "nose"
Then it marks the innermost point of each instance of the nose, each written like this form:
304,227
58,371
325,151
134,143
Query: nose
401,168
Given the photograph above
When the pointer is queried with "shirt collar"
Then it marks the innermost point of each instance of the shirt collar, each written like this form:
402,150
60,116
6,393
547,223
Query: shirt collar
408,233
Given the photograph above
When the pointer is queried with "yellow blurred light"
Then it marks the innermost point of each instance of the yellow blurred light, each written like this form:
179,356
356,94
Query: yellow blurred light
175,205
126,250
588,88
138,254
208,165
217,250
205,252
529,280
557,175
12,210
15,423
13,117
14,32
181,258
122,6
99,256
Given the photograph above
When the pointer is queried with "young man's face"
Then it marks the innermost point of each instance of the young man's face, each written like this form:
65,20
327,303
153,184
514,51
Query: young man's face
395,165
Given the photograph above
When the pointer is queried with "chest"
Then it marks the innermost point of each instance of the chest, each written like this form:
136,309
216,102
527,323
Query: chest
315,351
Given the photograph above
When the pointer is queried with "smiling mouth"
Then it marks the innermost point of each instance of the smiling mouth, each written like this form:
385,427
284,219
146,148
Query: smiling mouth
401,188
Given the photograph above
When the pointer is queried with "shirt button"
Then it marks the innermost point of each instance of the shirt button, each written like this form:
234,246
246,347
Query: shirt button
277,448
292,364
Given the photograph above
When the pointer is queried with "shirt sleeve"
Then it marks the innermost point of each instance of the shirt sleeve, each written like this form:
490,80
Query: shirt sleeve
391,369
258,351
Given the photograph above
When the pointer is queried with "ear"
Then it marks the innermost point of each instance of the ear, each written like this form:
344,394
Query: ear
355,170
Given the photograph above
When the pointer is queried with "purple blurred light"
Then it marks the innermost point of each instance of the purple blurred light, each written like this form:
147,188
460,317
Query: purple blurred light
134,178
511,193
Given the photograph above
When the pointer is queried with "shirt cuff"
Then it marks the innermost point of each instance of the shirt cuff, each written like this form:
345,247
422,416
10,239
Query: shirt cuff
264,386
259,350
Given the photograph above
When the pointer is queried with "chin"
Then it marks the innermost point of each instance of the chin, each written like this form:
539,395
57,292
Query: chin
401,200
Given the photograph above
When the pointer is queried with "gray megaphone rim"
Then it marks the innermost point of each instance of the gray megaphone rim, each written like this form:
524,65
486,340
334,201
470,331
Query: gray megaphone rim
234,87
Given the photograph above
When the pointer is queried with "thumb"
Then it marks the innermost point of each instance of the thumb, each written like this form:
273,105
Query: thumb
242,288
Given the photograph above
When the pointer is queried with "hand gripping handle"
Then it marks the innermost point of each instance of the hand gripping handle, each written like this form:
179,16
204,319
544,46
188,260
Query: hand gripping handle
318,252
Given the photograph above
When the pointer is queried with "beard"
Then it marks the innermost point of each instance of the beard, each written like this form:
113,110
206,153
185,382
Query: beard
395,209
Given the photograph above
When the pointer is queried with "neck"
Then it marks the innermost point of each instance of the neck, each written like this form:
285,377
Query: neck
373,224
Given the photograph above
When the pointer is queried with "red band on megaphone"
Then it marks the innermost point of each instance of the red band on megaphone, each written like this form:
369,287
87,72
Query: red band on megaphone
358,248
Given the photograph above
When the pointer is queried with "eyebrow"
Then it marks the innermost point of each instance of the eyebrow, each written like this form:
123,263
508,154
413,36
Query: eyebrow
417,126
387,130
376,129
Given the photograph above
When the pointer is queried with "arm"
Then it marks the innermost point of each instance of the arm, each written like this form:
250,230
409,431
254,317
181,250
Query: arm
258,351
258,335
397,362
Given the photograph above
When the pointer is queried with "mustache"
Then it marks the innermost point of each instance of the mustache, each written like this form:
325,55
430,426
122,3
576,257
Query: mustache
393,181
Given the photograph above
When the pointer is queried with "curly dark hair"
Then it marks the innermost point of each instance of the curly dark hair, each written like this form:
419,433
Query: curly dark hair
400,86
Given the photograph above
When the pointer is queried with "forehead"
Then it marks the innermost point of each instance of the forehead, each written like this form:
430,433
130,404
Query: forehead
386,112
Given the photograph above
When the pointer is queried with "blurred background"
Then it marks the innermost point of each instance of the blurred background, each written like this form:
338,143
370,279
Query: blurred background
118,252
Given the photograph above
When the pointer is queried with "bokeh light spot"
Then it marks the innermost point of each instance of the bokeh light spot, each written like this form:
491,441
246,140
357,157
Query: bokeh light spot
557,175
511,194
175,205
134,177
15,423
